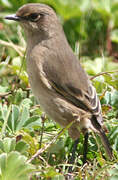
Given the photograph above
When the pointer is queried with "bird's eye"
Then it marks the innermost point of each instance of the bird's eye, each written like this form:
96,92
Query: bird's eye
33,17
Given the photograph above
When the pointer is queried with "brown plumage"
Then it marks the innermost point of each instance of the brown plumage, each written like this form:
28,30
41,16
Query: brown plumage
57,79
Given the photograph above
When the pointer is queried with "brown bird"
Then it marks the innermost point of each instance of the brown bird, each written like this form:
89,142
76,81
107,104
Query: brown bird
57,79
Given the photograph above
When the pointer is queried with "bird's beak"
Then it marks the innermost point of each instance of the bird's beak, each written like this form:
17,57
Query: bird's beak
13,17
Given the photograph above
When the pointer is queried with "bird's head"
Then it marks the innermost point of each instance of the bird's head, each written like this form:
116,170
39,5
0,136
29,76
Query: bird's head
36,18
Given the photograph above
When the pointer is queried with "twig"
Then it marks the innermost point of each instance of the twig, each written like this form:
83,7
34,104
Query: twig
5,94
103,94
49,144
20,50
43,160
102,73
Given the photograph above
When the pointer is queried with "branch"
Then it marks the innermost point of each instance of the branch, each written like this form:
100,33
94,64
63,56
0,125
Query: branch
49,144
4,94
20,50
102,73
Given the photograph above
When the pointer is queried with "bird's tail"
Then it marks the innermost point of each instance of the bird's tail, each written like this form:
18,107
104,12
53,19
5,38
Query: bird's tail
106,143
104,138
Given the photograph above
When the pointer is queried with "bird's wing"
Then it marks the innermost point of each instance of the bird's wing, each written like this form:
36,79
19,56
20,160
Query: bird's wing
68,79
74,85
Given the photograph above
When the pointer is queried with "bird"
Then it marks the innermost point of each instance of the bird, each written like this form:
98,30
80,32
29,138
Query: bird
57,79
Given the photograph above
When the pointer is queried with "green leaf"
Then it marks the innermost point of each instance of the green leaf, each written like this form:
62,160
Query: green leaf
114,178
18,96
9,144
1,146
114,99
3,89
32,121
114,35
14,117
21,146
50,173
114,172
104,7
57,147
13,166
3,163
58,177
23,118
26,102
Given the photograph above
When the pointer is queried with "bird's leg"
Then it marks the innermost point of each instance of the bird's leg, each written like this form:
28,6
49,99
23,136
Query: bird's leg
72,158
85,147
43,117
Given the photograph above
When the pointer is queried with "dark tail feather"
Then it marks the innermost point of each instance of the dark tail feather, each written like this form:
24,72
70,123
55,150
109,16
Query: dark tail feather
104,138
106,143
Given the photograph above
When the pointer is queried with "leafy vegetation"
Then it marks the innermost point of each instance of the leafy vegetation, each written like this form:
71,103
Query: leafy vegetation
91,28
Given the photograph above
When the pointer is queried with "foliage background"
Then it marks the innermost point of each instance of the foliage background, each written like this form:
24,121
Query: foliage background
91,27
